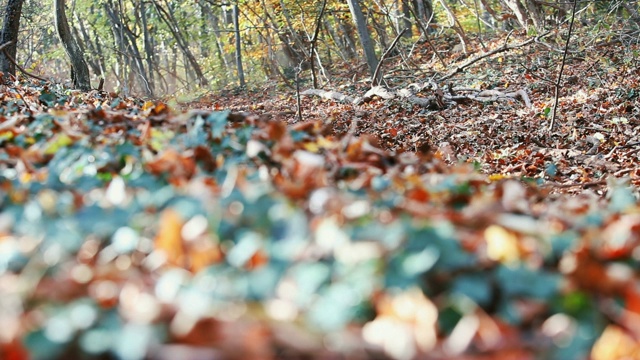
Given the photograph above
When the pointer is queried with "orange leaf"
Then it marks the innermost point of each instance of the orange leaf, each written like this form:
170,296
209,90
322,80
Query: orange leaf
169,239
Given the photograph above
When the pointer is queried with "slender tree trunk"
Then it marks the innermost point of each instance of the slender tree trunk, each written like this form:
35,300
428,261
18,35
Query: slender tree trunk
10,29
402,9
215,22
365,38
84,37
297,43
236,28
348,41
455,24
79,68
132,49
169,19
219,48
519,11
148,46
335,40
535,13
122,63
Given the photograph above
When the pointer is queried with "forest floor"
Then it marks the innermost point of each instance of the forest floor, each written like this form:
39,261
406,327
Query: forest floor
229,228
597,129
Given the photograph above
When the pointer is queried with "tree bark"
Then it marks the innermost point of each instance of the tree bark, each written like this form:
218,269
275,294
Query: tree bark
519,11
365,37
166,15
236,28
94,63
10,30
79,68
403,10
148,45
129,45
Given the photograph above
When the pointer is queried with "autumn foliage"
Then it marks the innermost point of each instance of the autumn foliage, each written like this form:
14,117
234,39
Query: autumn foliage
226,228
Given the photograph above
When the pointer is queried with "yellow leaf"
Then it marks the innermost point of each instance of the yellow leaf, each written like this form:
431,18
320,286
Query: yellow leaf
615,343
325,143
502,245
6,135
496,177
312,147
147,105
58,141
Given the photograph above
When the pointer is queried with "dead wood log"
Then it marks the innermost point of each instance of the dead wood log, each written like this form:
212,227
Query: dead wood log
331,95
436,102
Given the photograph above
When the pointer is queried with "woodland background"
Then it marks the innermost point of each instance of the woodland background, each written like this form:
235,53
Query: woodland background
155,48
446,179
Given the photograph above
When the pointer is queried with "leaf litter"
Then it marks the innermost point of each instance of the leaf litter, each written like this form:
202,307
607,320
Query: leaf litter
135,229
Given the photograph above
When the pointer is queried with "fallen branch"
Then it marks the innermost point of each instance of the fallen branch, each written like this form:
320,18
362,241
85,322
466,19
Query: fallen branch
586,184
435,102
331,95
493,95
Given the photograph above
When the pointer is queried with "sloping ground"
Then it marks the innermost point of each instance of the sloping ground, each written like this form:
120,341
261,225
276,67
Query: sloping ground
597,130
130,230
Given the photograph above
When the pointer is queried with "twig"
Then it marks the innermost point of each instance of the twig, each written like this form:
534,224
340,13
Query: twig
623,171
3,47
298,101
426,36
314,40
374,81
564,58
532,73
350,134
474,60
586,184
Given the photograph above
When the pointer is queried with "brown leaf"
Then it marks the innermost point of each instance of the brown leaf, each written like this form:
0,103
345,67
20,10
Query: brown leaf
179,167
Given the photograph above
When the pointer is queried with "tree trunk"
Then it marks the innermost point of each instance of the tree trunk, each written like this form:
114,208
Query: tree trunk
222,56
132,49
236,28
335,39
148,45
347,39
519,11
10,34
79,68
535,14
166,15
365,38
403,10
96,63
